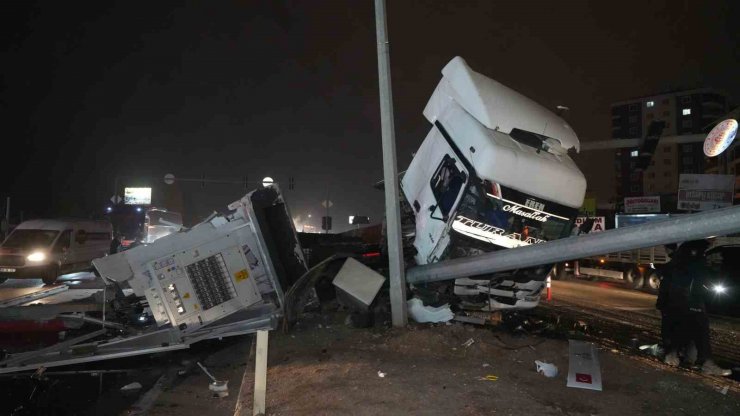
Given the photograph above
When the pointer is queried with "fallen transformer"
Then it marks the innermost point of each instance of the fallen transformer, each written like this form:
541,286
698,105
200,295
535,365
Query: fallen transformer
225,276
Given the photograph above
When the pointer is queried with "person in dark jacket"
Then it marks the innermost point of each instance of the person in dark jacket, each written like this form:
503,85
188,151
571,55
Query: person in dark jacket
682,302
115,243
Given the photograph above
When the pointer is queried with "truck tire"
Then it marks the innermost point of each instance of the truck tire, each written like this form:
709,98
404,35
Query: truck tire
51,276
634,278
652,281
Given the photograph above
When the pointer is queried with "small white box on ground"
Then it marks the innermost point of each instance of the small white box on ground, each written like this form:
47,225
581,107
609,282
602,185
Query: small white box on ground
359,281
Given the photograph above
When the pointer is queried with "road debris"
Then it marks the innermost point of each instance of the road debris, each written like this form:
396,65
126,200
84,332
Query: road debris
468,343
584,370
381,374
489,377
423,314
547,369
131,387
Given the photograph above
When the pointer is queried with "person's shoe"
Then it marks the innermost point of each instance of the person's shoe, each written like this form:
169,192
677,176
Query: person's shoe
672,359
712,369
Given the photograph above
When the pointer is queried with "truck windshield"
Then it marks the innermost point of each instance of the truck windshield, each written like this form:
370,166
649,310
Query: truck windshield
508,218
29,239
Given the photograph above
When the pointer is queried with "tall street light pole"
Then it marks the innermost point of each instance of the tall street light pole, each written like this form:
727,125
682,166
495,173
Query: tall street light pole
390,173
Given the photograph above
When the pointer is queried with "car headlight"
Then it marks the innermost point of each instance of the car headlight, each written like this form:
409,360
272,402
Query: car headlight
36,256
719,288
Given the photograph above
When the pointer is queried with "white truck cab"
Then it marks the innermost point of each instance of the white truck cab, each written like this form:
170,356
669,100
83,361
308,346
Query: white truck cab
492,173
48,248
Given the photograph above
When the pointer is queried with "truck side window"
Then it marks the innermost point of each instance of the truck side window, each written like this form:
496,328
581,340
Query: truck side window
446,183
81,237
63,241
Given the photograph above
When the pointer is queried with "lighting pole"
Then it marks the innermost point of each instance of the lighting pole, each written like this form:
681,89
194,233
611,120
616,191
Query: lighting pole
390,173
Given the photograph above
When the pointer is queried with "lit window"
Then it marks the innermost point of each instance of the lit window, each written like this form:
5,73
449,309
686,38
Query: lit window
634,153
686,111
650,104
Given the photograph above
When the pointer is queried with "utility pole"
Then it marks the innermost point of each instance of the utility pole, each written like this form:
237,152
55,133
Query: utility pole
390,173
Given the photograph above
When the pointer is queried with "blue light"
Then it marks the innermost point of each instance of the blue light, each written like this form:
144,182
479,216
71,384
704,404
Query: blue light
138,209
109,209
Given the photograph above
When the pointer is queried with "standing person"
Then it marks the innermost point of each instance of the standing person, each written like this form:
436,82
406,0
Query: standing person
682,302
115,244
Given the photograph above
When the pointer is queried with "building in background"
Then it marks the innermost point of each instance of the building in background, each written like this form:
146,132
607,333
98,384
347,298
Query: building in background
684,113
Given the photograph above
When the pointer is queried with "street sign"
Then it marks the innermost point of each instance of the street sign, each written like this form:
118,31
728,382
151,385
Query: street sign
267,181
169,179
326,223
327,204
698,192
115,199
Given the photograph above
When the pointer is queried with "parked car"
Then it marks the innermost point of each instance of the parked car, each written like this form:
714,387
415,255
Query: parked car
48,248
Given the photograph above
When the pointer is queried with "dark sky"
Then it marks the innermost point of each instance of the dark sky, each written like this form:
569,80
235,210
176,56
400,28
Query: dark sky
289,88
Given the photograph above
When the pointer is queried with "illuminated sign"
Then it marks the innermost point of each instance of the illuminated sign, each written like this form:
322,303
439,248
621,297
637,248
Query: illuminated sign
491,234
697,192
597,226
641,204
720,137
137,196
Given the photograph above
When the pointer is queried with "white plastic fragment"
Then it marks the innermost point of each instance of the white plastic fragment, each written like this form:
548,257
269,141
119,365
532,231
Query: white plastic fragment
547,369
422,314
468,343
131,386
381,374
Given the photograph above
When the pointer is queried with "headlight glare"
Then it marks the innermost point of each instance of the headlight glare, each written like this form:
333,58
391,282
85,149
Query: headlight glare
36,256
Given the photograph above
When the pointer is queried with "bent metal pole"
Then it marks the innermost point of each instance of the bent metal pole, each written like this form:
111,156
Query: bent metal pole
673,230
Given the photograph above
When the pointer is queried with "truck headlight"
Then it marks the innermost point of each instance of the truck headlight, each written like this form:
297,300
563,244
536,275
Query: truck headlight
719,288
36,256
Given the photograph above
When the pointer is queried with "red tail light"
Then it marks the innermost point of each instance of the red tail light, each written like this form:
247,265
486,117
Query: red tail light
371,254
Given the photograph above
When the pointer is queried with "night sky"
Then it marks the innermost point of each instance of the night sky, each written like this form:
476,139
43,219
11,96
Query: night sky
91,90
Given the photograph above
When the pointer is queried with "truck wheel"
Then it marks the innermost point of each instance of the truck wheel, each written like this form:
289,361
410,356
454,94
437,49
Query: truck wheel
634,278
652,282
51,276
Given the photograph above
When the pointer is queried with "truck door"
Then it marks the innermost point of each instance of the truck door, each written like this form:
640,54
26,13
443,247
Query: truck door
435,180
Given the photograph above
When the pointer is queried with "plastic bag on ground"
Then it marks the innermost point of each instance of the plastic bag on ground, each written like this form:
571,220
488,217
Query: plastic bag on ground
422,314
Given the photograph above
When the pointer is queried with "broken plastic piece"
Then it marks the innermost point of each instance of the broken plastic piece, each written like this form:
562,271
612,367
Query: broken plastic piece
421,313
381,374
547,369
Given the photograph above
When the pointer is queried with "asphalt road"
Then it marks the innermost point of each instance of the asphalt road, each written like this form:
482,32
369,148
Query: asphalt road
604,295
618,307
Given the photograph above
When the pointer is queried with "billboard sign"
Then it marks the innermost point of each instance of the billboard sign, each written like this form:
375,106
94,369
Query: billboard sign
137,196
698,192
641,204
599,224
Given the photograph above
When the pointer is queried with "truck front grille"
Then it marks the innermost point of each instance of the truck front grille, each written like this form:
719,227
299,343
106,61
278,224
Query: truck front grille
211,281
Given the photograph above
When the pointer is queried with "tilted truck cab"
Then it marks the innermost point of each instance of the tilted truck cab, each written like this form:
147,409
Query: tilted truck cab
492,173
